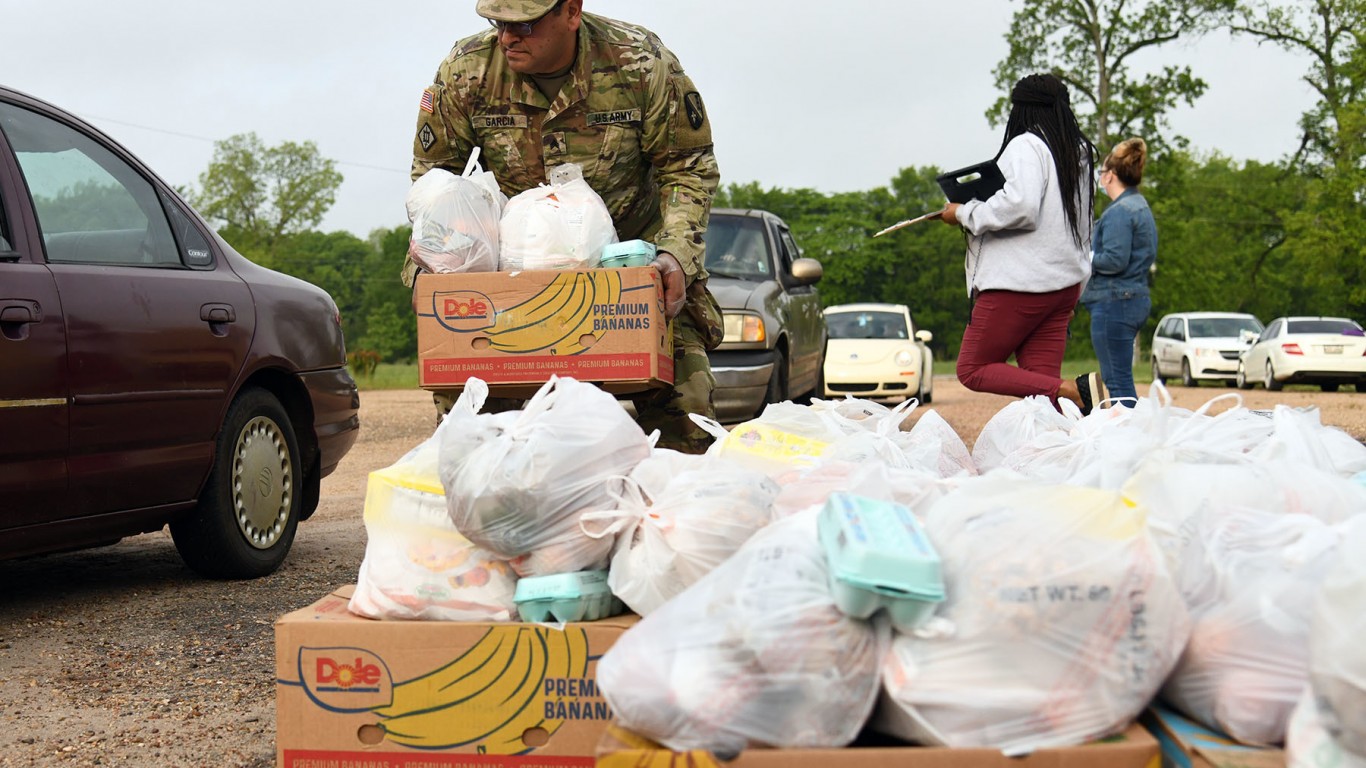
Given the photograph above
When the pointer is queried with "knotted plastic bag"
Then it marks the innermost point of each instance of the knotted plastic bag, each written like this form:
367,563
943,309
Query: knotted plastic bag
455,219
1249,577
681,516
755,652
560,225
1060,625
518,482
416,564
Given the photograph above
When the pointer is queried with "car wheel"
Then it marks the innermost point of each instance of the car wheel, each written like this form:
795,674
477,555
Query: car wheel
777,383
1242,381
247,515
1271,384
1187,379
1329,387
1157,373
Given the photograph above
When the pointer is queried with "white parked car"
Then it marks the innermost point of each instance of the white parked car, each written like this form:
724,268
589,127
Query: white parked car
874,351
1200,345
1328,351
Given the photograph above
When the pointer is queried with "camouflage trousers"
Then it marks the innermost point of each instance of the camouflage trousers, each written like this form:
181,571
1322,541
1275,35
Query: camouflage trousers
664,409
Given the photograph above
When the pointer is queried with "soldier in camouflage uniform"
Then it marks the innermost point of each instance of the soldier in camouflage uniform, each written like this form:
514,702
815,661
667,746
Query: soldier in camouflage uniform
551,85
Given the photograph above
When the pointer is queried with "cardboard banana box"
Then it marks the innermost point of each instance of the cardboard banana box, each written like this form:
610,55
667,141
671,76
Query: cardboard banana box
1135,748
515,329
351,691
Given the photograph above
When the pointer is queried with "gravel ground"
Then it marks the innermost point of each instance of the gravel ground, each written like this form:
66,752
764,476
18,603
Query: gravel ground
120,657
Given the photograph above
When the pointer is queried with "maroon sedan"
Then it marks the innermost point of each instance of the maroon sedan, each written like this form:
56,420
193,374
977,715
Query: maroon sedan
149,374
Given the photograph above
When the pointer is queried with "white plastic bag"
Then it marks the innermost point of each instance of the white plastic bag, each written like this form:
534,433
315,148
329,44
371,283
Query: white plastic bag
756,651
560,225
1337,644
687,515
455,220
517,482
1310,741
1249,578
1061,620
416,564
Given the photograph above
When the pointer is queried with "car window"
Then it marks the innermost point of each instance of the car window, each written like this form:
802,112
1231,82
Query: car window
1321,325
1214,327
91,206
790,250
867,325
736,248
1272,331
1179,329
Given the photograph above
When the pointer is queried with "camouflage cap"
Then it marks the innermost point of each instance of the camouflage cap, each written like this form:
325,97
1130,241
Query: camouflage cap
514,10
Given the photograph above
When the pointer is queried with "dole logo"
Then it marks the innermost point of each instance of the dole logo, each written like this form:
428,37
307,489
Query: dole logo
345,679
463,310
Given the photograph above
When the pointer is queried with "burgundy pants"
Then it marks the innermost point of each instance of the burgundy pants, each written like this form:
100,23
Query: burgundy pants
1030,326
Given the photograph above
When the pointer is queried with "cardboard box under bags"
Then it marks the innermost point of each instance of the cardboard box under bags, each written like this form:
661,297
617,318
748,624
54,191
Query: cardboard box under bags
515,329
1187,744
1135,748
404,694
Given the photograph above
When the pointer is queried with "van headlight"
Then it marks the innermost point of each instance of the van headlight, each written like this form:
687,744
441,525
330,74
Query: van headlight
744,327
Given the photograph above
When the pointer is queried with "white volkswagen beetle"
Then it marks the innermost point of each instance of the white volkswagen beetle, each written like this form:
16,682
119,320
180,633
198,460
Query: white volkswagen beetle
874,351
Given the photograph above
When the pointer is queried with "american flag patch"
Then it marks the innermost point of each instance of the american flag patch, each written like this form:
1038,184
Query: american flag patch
426,104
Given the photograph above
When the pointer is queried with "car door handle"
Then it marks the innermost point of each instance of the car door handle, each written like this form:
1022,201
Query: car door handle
20,311
16,315
217,313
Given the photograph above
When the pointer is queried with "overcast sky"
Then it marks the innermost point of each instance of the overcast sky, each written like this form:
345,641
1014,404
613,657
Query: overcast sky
835,96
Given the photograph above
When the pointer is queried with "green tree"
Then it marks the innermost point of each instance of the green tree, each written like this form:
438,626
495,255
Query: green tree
390,327
1332,33
1090,45
261,194
1326,235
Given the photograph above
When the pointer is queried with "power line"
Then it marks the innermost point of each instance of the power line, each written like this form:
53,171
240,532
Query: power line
208,140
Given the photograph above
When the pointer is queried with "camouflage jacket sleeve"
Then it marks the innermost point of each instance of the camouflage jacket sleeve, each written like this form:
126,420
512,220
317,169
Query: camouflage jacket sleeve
677,139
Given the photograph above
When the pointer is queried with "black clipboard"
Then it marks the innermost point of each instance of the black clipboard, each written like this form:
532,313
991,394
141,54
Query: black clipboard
975,182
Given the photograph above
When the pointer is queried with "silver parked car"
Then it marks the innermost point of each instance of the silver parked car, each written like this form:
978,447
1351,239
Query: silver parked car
775,333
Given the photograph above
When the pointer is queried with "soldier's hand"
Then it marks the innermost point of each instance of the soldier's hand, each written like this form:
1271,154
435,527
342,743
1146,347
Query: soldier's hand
950,214
672,275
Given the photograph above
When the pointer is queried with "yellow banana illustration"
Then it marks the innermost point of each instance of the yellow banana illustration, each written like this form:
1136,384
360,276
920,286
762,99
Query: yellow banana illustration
556,320
525,324
498,697
475,669
567,658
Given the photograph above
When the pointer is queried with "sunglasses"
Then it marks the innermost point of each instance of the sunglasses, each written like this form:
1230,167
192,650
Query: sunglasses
523,28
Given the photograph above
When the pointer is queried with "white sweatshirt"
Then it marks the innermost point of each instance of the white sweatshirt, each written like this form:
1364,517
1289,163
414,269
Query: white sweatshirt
1019,238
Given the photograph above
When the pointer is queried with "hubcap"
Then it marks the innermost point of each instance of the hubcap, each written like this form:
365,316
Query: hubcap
262,482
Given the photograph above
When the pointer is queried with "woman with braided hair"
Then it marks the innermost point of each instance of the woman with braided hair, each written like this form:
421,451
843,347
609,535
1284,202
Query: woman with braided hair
1029,252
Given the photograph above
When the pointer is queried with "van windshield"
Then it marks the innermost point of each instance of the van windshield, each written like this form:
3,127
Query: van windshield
1225,327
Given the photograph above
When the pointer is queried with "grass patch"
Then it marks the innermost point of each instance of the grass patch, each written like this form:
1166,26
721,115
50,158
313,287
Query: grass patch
388,376
1070,369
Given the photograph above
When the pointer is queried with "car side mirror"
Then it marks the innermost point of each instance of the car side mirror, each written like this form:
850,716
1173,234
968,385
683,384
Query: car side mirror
924,336
1248,338
807,271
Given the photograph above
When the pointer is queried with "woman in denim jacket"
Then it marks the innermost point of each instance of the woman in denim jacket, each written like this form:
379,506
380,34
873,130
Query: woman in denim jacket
1123,250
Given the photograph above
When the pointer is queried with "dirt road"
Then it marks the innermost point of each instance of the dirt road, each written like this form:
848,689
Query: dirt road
121,657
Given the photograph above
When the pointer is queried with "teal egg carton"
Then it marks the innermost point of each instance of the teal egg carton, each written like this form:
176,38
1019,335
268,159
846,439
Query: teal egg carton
879,558
566,597
632,253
